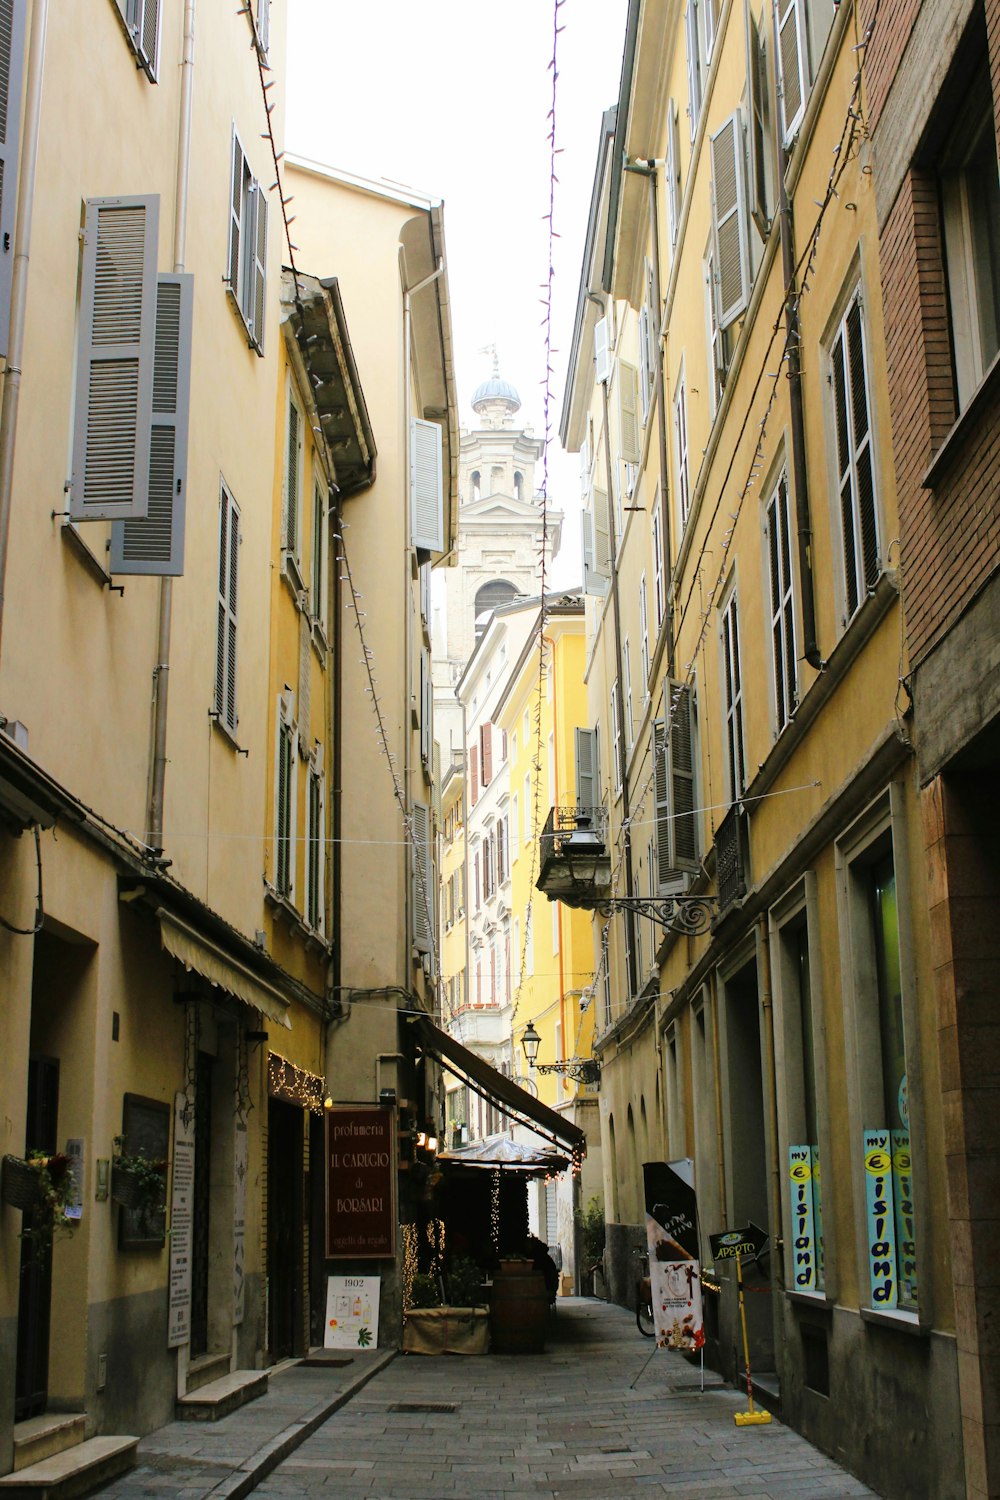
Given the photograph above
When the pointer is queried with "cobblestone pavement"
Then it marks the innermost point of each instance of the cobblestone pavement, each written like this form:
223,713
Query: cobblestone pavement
567,1423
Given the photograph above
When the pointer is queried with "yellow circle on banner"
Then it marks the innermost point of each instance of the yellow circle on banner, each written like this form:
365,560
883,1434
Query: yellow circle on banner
878,1162
800,1171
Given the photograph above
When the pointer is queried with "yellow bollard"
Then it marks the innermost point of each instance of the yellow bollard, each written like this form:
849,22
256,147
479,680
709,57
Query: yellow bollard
751,1417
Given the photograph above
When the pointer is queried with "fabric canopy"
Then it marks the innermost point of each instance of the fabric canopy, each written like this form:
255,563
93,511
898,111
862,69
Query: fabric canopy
499,1151
503,1092
213,963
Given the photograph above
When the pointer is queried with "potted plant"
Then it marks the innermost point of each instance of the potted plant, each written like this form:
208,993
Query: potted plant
590,1222
459,1326
43,1186
138,1183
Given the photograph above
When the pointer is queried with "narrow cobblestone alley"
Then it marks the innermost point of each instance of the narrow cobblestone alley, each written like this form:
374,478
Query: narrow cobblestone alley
562,1424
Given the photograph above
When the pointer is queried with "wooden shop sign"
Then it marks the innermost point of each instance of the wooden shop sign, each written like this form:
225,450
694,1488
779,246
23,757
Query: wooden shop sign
360,1183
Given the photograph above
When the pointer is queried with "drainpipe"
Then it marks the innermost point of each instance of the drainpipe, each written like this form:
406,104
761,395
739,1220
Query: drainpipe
408,552
770,1083
633,980
336,518
647,169
800,477
161,672
19,278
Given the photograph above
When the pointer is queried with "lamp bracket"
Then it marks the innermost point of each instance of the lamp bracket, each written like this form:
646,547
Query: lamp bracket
686,914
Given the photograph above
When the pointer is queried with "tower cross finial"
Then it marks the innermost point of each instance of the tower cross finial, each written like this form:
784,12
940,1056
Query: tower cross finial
492,349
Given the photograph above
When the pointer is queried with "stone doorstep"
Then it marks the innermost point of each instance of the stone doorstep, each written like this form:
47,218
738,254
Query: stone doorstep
220,1397
75,1471
42,1437
203,1371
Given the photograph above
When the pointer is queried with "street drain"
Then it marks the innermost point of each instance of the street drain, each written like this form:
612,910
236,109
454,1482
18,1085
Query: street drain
425,1406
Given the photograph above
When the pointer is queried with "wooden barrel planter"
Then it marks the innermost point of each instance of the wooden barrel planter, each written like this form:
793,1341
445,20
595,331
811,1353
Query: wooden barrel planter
519,1312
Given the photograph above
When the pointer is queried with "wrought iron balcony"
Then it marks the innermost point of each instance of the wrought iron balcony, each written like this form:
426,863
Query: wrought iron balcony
731,857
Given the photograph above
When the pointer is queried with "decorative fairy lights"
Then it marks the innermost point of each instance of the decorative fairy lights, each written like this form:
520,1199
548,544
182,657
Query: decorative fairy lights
411,1262
495,1208
286,1080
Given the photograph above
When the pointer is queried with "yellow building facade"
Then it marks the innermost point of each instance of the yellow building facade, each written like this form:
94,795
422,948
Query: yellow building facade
763,1004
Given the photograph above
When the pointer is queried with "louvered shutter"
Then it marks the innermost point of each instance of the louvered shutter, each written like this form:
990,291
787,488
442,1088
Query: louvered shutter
155,544
593,582
114,383
628,408
303,700
421,886
255,312
426,491
486,743
12,14
602,535
264,24
757,95
226,639
235,217
586,768
473,774
284,838
673,170
293,479
676,845
602,351
792,73
147,37
693,65
729,232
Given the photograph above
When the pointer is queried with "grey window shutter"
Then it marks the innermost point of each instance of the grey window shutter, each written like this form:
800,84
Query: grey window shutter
676,838
586,768
729,234
147,40
693,64
235,217
426,491
114,381
12,14
602,535
792,64
757,95
628,411
155,544
259,279
420,883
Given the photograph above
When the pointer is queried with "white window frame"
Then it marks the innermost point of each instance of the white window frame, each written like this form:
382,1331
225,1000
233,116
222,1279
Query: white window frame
972,360
659,592
780,592
293,483
644,636
227,612
692,33
246,264
315,888
142,24
681,453
285,745
627,694
615,740
852,453
793,23
319,588
734,732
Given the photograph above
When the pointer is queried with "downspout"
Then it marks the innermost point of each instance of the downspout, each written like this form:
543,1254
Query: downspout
336,516
648,170
161,672
633,982
770,1083
408,554
800,477
19,278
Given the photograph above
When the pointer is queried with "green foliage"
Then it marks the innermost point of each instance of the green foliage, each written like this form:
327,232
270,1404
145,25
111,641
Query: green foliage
592,1231
55,1196
465,1282
424,1291
364,1337
149,1177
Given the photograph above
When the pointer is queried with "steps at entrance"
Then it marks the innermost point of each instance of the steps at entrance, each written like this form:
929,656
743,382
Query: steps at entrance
206,1369
75,1471
42,1437
220,1397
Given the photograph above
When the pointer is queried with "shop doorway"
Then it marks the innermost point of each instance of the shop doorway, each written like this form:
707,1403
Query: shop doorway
284,1229
34,1311
748,1154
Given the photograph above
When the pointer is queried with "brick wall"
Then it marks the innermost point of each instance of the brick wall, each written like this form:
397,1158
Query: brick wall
889,38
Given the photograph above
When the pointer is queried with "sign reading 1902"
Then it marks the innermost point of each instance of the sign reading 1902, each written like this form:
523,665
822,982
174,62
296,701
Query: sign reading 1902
361,1178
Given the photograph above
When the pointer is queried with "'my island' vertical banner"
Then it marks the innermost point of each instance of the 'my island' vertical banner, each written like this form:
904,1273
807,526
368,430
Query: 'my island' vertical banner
361,1179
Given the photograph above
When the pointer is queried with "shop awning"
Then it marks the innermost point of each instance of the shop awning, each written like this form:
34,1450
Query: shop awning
499,1151
213,963
496,1089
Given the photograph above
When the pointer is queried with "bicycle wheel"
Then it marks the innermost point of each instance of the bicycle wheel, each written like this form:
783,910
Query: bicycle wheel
644,1317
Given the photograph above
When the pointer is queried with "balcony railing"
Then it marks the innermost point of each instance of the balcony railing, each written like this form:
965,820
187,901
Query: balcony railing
730,857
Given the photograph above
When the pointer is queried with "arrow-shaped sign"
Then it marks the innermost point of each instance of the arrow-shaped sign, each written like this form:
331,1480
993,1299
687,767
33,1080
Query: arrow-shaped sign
730,1243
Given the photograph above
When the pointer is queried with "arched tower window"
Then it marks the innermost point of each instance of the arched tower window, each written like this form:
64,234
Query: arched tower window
497,591
475,485
518,485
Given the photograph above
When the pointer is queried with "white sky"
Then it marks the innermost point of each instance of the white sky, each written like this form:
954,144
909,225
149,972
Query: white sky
452,98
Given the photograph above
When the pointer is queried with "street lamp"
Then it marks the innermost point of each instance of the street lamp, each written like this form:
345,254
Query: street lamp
531,1042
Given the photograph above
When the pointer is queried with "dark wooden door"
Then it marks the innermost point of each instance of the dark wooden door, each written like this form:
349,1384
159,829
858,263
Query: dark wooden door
284,1229
35,1290
202,1200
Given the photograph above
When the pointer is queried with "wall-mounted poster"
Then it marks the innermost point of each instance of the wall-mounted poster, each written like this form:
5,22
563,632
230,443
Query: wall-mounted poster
351,1312
361,1183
